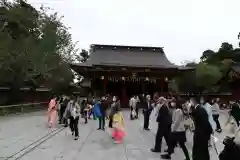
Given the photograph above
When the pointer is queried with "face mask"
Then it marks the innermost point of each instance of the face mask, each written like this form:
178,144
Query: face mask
114,99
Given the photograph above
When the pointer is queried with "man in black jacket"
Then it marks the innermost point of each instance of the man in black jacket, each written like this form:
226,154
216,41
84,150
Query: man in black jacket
103,107
147,109
202,132
164,120
62,110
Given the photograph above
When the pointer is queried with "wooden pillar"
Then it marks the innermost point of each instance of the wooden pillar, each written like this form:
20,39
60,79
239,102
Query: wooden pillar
92,88
124,95
105,85
161,85
143,87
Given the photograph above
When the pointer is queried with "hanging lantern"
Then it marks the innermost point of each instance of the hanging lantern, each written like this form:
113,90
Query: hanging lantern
147,79
166,79
133,74
123,78
102,77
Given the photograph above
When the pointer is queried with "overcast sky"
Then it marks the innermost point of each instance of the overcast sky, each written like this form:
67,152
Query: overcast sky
185,28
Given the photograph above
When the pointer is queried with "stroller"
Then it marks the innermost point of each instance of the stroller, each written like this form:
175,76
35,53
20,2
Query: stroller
231,151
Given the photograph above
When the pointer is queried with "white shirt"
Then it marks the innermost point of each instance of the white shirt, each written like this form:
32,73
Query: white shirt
215,109
133,102
208,108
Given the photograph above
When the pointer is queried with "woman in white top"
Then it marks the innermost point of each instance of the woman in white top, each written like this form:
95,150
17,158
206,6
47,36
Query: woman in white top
178,133
215,114
73,109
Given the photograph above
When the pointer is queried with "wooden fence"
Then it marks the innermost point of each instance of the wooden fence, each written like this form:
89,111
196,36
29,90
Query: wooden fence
22,108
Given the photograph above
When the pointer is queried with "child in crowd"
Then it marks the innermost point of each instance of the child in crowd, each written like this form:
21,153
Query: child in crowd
118,127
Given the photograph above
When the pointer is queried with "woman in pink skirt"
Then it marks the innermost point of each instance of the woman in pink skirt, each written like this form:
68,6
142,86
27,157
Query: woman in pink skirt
52,112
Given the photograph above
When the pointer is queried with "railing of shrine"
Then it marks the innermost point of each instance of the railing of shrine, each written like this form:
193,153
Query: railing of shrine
22,108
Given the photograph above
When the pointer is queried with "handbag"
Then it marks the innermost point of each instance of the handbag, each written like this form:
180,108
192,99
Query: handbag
189,124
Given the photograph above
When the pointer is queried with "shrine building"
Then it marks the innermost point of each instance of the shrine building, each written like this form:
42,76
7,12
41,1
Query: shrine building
127,70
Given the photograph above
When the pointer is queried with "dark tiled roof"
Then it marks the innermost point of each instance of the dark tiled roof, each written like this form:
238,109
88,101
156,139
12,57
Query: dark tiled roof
128,56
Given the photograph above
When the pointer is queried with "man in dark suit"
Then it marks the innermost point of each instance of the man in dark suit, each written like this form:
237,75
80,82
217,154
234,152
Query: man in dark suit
147,109
103,108
164,120
202,132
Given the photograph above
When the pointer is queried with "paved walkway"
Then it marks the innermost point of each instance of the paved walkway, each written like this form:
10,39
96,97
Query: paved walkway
26,137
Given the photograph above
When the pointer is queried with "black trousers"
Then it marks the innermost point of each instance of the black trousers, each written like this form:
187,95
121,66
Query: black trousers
200,147
237,120
101,122
65,121
162,131
85,116
131,116
74,126
110,124
215,118
61,112
136,110
178,138
146,115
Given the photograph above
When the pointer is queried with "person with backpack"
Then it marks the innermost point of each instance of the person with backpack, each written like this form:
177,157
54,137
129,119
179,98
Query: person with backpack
73,110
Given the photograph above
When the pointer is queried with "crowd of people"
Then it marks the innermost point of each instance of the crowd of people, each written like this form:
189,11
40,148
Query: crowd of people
174,117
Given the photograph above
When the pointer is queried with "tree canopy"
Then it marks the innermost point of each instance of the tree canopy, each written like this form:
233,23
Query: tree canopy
35,47
209,72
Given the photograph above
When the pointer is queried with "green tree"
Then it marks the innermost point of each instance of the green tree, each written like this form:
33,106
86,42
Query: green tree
83,56
35,46
206,54
207,76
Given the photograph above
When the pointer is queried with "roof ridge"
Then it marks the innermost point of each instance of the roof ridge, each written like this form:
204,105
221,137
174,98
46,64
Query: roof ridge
127,47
